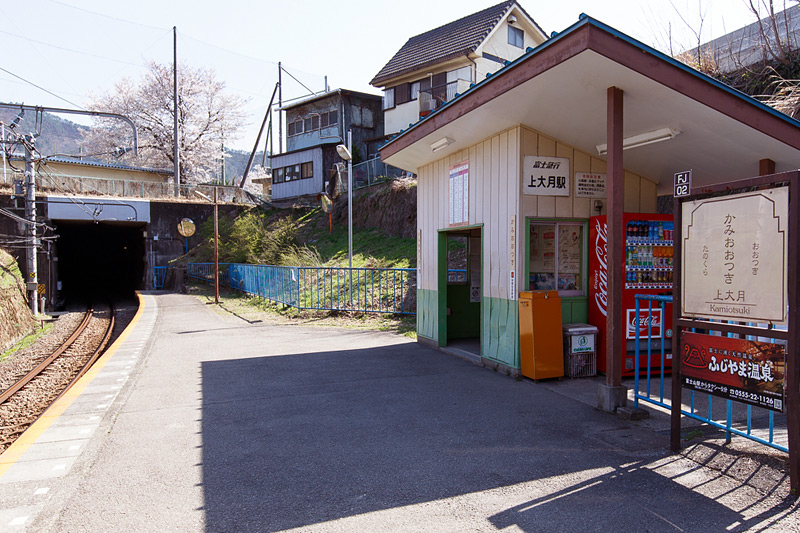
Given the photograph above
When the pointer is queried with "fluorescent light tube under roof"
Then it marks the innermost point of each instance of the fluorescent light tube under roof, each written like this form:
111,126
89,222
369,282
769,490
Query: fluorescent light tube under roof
441,143
642,139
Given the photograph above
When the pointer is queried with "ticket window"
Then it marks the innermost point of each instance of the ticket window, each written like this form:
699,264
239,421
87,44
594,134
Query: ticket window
557,259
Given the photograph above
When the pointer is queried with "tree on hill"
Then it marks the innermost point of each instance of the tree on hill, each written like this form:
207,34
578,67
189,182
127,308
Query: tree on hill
207,118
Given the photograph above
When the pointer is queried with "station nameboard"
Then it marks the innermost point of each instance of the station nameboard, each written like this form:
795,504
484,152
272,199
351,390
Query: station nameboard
545,176
734,260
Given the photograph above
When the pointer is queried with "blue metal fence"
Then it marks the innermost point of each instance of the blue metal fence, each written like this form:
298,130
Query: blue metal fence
754,423
159,277
366,290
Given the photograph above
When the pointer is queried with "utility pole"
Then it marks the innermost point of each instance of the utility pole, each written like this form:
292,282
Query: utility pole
30,216
176,169
280,105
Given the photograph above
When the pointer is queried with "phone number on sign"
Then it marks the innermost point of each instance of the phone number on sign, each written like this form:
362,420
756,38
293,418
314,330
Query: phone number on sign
753,398
775,403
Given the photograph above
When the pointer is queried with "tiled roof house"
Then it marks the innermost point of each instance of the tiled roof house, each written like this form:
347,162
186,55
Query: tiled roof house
431,68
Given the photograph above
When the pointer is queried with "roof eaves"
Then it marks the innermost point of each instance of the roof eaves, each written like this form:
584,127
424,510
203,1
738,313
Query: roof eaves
422,66
584,20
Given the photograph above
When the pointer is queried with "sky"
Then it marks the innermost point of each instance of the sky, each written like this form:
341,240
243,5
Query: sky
58,53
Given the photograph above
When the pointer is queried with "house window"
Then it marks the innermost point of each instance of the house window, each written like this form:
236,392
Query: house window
293,173
277,175
307,126
516,37
402,93
328,119
307,170
295,128
388,98
414,90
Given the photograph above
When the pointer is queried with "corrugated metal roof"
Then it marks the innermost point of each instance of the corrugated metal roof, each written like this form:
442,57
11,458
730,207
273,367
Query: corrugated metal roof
97,164
452,40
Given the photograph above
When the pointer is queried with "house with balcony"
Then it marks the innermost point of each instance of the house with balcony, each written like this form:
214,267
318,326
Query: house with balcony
315,125
435,66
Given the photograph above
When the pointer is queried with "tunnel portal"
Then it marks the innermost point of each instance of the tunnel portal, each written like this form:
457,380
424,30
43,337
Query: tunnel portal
97,259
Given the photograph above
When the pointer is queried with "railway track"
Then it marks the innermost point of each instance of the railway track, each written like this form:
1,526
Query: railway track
40,379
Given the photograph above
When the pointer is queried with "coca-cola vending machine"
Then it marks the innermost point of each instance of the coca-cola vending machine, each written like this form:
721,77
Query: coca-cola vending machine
647,269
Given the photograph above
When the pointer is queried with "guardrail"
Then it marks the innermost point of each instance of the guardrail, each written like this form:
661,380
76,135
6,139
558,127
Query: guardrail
365,290
159,277
51,182
750,422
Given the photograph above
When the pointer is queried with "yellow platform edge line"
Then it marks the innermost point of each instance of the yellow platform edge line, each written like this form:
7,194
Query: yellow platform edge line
14,452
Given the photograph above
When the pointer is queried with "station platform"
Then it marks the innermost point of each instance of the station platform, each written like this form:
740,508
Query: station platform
198,420
35,466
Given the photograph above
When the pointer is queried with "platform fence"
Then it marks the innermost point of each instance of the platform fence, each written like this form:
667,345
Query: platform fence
364,290
652,385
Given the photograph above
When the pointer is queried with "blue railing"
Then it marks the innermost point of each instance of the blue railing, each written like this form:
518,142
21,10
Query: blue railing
159,277
750,422
365,290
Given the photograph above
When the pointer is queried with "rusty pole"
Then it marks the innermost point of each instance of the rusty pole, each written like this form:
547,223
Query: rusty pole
216,249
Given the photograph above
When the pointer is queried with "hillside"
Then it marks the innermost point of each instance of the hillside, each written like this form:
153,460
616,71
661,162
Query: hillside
384,222
62,137
16,320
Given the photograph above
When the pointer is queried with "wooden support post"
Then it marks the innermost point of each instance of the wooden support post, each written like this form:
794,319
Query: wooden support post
792,378
677,386
616,184
612,394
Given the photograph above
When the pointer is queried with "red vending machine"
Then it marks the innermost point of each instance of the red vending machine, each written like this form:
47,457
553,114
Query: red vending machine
647,269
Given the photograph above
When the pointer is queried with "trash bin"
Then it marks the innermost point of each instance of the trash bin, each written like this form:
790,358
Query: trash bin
540,342
580,353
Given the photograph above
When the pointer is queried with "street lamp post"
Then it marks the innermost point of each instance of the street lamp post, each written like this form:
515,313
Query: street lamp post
346,153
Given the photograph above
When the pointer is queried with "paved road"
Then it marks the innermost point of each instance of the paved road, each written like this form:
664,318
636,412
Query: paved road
232,426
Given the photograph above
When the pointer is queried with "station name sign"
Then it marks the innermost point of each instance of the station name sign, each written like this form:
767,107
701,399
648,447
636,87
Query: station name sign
545,176
735,252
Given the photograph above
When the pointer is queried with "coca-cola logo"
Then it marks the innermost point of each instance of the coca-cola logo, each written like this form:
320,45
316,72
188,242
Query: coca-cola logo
601,275
646,322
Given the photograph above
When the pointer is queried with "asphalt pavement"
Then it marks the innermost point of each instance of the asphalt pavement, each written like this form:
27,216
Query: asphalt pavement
230,425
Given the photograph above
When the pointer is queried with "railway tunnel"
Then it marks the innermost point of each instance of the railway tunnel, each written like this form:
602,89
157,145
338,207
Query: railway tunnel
96,259
100,249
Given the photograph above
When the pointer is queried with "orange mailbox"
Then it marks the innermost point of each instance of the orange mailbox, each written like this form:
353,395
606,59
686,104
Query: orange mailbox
540,339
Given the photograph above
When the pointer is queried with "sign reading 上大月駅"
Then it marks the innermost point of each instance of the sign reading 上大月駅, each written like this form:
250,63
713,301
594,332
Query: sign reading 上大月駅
744,370
545,176
734,256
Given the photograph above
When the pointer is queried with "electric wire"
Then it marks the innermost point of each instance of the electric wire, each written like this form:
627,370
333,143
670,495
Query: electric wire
42,88
88,54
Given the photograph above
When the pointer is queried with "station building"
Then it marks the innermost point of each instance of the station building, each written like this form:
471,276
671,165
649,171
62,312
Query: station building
617,113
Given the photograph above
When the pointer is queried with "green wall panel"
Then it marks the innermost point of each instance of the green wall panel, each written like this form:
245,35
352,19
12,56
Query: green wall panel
500,338
428,313
574,311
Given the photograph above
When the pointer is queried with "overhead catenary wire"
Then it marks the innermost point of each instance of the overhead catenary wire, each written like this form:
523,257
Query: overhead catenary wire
41,88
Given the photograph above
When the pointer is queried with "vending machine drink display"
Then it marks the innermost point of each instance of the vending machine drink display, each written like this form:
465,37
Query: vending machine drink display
647,269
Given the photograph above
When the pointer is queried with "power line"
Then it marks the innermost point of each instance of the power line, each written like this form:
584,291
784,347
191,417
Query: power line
42,88
70,49
64,4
